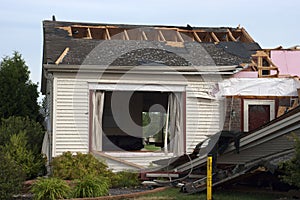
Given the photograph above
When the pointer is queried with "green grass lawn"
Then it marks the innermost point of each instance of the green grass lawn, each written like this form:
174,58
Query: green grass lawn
151,147
175,194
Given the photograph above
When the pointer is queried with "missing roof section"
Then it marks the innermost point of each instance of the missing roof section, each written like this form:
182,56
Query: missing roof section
162,34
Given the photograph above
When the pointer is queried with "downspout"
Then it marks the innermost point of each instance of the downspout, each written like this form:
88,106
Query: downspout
49,78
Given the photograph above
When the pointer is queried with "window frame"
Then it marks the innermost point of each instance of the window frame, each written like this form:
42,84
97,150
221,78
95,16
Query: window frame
248,102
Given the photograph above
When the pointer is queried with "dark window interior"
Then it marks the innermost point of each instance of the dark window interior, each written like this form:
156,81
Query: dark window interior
258,115
117,139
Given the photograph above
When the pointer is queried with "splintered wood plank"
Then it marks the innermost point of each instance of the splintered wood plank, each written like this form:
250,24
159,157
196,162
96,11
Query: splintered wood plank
61,57
175,44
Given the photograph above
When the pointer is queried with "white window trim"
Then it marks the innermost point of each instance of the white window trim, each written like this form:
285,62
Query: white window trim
248,102
54,113
138,87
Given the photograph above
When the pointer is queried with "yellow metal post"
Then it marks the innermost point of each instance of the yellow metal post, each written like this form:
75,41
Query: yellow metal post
209,177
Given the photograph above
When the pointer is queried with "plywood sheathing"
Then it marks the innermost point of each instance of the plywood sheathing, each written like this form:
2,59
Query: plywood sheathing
284,109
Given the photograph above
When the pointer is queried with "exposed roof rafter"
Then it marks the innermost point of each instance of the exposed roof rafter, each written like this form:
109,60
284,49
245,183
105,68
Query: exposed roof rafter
165,34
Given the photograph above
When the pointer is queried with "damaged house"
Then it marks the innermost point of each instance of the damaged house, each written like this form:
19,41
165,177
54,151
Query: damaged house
133,94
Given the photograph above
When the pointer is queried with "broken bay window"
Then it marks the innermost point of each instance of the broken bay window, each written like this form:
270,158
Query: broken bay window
137,121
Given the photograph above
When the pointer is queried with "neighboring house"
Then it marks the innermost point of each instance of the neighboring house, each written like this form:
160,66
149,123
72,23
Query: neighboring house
252,102
263,91
103,81
287,60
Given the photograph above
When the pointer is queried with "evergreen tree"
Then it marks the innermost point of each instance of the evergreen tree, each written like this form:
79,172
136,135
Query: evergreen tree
292,167
18,95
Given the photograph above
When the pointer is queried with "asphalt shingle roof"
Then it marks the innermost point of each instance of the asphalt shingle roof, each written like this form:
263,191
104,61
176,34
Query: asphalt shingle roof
132,52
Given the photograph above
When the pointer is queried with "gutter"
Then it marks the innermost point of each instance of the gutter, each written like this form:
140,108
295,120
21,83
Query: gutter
186,70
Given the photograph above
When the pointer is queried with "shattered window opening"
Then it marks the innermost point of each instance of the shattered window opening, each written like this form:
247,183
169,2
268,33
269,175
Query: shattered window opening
131,137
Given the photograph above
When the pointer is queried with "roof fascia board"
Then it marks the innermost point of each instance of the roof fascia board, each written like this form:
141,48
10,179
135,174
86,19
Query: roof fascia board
129,69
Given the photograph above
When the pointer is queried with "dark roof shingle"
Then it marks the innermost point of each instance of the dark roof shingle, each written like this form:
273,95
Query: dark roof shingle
59,35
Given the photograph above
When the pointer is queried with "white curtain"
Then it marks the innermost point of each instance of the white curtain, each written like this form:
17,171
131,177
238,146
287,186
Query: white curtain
46,146
98,104
176,123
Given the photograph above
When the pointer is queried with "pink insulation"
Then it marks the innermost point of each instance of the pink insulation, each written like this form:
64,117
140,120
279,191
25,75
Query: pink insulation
287,61
246,74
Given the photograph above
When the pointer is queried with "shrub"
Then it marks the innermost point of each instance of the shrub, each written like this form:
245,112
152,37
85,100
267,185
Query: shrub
11,177
33,132
125,179
50,189
70,167
90,186
16,150
292,167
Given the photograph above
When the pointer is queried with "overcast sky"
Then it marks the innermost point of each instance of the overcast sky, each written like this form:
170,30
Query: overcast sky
270,22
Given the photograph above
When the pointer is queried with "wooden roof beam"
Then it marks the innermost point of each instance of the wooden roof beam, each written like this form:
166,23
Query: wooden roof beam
179,36
247,36
144,35
126,34
207,37
89,35
161,35
107,34
197,38
268,68
229,33
214,37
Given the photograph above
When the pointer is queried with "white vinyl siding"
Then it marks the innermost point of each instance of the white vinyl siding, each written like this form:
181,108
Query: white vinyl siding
202,114
71,116
71,110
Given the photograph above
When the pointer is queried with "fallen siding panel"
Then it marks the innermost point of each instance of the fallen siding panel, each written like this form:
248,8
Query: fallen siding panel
277,145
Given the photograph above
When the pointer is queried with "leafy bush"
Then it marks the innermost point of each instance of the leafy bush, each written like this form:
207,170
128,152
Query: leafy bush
70,167
11,177
125,179
33,132
16,150
90,186
50,189
292,167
